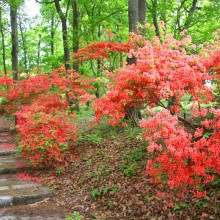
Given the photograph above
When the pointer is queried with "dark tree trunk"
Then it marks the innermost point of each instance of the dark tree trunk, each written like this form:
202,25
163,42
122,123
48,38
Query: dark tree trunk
75,31
133,15
132,20
142,15
3,43
64,33
190,15
52,35
154,16
23,45
14,36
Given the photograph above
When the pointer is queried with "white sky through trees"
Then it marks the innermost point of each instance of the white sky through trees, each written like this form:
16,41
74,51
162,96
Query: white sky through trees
32,8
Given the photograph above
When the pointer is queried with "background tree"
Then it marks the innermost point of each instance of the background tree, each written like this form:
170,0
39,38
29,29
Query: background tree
63,18
14,37
3,40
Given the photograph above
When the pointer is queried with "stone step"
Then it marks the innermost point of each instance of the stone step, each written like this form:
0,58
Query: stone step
15,191
5,133
7,148
18,217
12,164
6,139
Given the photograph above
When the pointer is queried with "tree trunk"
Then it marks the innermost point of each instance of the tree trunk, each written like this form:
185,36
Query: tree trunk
136,13
14,36
52,35
190,15
164,14
142,15
3,43
75,31
133,15
154,15
64,33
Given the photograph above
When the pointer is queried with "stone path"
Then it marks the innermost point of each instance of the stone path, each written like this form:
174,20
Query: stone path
15,191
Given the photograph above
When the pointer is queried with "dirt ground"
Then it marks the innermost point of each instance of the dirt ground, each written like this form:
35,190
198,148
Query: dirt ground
108,181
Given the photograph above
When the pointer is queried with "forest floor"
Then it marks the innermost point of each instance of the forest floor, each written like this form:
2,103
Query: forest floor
106,179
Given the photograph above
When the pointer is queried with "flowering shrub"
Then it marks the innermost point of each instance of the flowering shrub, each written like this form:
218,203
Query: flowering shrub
184,137
182,158
45,132
162,71
40,104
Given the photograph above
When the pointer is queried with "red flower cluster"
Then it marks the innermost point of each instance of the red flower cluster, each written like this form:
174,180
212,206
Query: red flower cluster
100,50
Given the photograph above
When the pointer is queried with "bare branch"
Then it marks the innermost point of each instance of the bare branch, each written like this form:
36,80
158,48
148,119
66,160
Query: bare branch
44,2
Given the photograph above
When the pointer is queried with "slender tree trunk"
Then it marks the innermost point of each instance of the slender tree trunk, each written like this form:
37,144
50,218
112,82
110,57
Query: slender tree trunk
164,14
23,45
64,33
3,43
190,15
154,16
75,31
14,36
52,35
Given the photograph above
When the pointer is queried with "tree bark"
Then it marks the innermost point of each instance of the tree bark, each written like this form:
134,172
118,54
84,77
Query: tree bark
52,35
133,15
14,36
142,15
190,14
64,33
75,31
136,13
154,15
3,43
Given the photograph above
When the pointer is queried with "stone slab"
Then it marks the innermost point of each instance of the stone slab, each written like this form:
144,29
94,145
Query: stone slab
13,217
12,164
7,148
15,191
4,134
6,139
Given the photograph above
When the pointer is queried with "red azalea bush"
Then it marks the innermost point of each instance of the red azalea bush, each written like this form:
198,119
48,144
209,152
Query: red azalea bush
40,104
45,132
182,158
185,141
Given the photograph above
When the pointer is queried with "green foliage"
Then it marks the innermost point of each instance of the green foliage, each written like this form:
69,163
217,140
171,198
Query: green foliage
180,206
115,188
105,190
95,193
74,216
130,164
128,169
136,154
93,138
201,204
